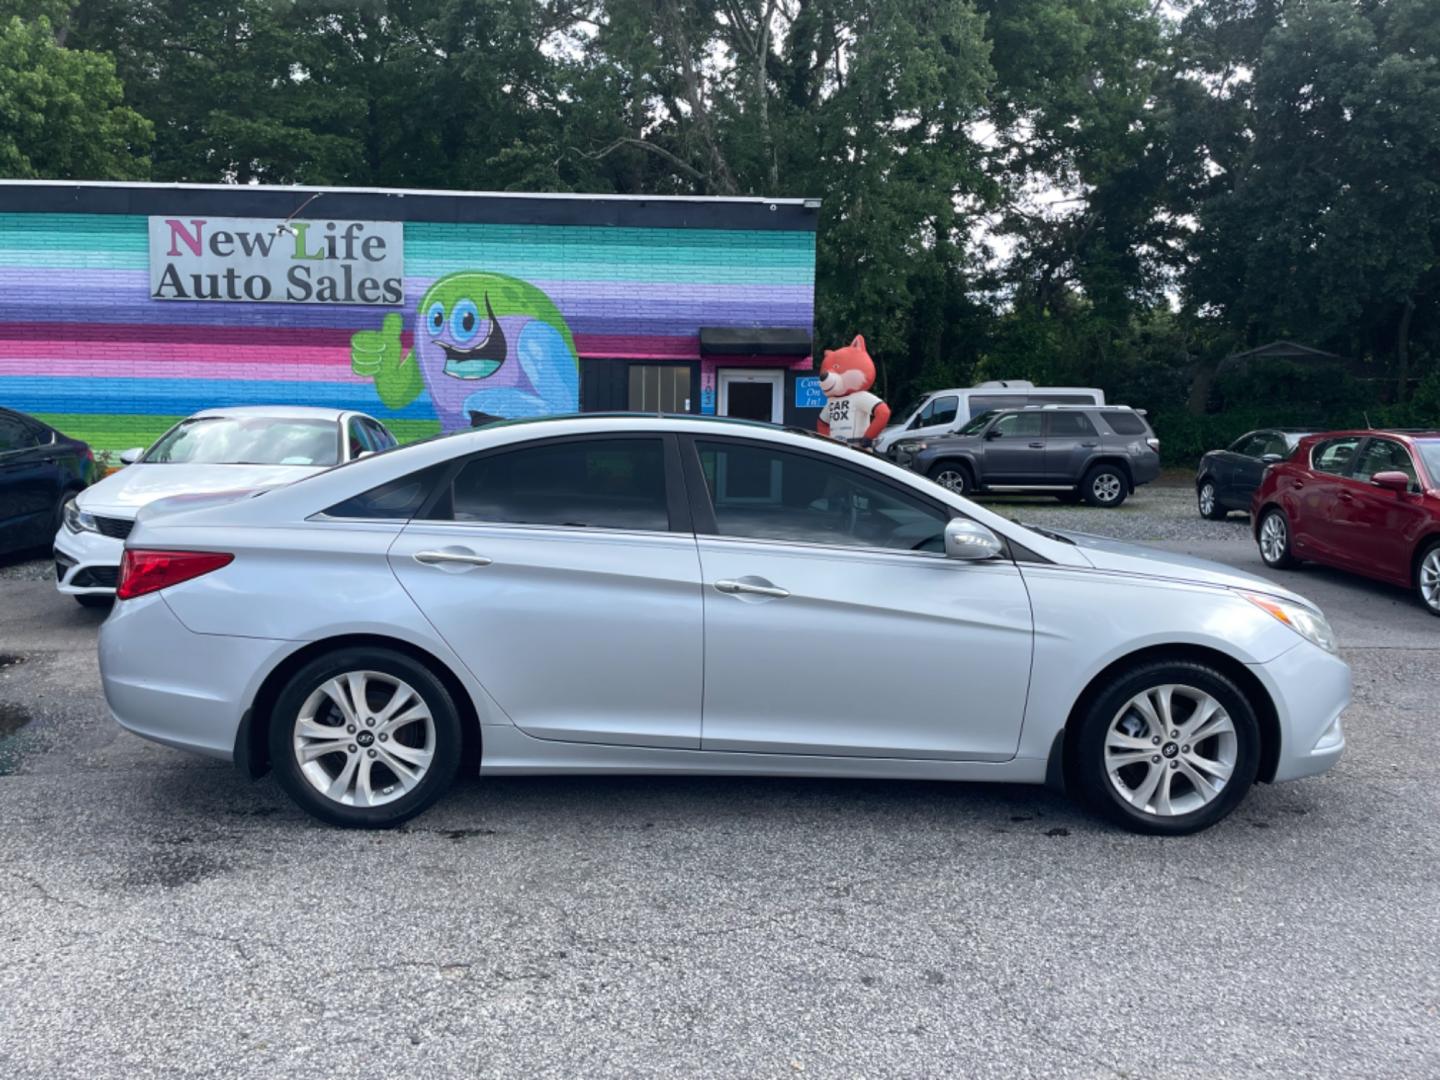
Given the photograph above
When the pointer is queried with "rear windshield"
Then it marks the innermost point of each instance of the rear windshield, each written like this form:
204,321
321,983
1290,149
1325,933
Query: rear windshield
1124,423
1430,453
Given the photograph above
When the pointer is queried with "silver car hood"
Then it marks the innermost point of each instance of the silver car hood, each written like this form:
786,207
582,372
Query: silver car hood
1118,557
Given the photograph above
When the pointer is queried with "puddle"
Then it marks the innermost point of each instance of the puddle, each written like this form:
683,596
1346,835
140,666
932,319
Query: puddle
12,719
10,659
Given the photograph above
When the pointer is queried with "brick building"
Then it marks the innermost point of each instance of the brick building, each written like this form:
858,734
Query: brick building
126,306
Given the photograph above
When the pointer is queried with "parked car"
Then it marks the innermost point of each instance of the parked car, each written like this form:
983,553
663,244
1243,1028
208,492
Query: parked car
214,450
943,412
40,469
1226,479
667,595
1096,453
1364,501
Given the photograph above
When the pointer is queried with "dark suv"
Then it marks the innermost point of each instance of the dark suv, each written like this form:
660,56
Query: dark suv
1099,453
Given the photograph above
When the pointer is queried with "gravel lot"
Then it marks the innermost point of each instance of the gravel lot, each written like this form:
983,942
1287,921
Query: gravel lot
162,917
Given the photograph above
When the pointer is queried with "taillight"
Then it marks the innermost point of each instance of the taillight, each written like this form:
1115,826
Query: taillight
1154,444
144,572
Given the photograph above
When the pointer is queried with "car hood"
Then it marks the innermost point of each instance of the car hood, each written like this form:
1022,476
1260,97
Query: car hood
1122,558
134,486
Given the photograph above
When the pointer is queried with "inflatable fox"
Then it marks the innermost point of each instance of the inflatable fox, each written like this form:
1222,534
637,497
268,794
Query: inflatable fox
851,413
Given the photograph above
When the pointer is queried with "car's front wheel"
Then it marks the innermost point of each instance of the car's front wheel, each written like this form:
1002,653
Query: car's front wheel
1207,501
954,476
1273,537
1169,747
1104,485
1427,578
365,738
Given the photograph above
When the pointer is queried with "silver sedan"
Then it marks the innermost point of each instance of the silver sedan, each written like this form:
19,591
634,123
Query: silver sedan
651,595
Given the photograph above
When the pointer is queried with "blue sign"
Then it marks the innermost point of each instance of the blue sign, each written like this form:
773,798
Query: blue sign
808,394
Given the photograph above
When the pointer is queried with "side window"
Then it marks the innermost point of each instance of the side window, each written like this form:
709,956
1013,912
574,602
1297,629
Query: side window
380,437
359,437
15,434
1020,425
986,402
1382,455
1124,423
398,500
1252,445
1063,399
763,493
582,483
1070,424
1334,455
1275,443
943,409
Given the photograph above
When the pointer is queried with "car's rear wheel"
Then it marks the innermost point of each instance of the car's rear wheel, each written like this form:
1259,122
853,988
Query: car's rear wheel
1207,501
365,738
1427,578
1169,747
954,475
1104,485
1273,536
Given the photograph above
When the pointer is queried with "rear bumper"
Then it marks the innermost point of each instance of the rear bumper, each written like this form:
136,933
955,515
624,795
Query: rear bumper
172,686
1310,688
86,563
1144,469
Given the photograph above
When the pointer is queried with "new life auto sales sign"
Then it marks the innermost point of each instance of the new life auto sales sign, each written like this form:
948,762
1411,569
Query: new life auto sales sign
255,260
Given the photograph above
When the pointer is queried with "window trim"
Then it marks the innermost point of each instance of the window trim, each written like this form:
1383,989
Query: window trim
1360,441
702,507
677,510
1416,485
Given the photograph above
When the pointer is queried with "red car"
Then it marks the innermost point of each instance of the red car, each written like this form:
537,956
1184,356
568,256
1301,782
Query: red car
1367,501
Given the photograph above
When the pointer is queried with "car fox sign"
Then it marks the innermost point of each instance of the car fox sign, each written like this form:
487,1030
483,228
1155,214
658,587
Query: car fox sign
257,260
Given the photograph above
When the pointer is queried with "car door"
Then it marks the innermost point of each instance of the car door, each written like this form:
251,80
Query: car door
28,484
936,416
835,625
1070,439
1013,450
1247,467
564,573
1375,528
1312,496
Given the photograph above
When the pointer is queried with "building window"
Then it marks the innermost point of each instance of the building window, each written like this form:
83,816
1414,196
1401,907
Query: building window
658,388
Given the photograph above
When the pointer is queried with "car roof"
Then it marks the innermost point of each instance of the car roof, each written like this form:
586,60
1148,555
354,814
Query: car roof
1361,433
279,412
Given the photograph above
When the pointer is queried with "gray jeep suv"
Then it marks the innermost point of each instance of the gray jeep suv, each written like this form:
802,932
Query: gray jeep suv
1099,453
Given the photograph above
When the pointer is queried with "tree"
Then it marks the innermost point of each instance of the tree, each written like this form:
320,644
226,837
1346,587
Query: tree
62,114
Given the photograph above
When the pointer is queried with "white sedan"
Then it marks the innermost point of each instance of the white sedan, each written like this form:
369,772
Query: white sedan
661,595
214,450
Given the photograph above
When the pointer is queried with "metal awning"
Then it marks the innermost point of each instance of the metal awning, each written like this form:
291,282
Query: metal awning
754,341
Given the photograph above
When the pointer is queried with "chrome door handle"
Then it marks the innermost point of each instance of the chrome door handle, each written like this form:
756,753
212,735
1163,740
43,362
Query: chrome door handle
433,558
757,590
1037,445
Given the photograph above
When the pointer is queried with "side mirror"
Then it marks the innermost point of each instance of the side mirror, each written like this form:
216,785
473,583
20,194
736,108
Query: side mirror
1391,481
969,540
134,454
994,433
1272,459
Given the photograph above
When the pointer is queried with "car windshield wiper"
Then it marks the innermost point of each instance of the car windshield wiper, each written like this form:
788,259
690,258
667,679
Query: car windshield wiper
1049,534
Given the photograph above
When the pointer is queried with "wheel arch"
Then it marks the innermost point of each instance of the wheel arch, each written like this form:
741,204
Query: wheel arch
1111,459
954,461
252,741
1062,753
1422,545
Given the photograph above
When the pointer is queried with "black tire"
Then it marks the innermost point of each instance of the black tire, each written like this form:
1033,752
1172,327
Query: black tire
445,751
1105,486
1216,511
957,477
1427,577
1284,560
1089,771
95,600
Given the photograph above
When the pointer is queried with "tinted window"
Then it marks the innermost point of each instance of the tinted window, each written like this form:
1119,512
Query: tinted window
981,402
594,483
1062,399
1382,455
1071,424
380,438
398,500
1252,445
1275,443
1026,425
769,494
15,434
941,411
1334,455
359,438
1124,423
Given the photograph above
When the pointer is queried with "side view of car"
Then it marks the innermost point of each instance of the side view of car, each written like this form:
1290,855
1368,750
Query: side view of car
943,412
1099,453
641,594
40,470
215,450
1363,501
1226,479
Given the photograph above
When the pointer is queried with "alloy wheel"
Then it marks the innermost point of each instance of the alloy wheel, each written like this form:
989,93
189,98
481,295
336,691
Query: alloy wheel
1107,487
1207,499
1170,750
953,479
364,738
1274,539
1429,579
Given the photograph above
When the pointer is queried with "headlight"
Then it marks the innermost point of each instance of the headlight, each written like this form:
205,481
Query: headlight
1305,621
77,520
911,447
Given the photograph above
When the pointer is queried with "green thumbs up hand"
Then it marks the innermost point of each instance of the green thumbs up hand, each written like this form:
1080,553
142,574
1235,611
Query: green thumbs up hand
379,354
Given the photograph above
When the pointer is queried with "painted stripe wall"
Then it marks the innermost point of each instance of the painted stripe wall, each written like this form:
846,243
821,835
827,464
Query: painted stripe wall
83,346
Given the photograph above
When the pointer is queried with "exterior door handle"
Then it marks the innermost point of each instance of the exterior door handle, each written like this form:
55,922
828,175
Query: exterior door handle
734,587
1037,446
435,558
1347,497
1089,445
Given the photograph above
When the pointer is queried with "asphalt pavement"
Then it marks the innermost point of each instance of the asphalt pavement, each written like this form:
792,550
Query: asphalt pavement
161,916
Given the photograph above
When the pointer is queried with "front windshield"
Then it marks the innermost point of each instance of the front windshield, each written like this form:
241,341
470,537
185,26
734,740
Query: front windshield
978,423
248,440
1430,452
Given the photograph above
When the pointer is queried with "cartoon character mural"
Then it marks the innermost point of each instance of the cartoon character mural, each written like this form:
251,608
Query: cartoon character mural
851,412
486,346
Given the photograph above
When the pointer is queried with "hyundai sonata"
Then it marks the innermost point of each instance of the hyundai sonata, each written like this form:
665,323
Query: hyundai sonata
666,595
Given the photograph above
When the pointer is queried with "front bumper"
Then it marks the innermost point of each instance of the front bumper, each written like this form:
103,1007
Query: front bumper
173,686
87,563
1310,689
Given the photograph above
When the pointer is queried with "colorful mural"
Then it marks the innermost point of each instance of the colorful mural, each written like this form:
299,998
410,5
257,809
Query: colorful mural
519,308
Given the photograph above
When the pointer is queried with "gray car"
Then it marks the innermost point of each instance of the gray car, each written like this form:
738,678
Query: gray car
1098,453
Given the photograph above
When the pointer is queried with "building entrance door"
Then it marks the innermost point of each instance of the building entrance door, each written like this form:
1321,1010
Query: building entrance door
753,395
